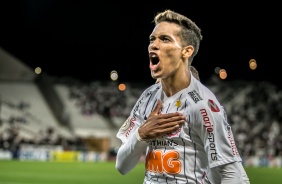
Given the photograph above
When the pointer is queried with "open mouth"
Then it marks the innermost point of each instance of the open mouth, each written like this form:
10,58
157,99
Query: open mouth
154,59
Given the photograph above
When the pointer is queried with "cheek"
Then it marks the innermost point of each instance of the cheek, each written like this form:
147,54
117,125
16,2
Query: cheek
171,57
173,52
174,58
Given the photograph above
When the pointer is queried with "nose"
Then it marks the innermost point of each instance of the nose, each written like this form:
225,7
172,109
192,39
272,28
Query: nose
153,45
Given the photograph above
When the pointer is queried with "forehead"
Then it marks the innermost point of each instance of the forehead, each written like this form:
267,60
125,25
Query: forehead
166,28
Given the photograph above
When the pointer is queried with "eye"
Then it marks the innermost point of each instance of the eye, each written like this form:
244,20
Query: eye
165,39
152,39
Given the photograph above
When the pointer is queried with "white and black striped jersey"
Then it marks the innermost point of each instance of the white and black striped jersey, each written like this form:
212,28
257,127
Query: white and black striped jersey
184,156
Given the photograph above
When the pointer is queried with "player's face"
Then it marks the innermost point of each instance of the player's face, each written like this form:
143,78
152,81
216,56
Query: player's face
165,50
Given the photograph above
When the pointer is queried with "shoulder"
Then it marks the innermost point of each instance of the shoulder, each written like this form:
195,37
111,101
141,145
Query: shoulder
200,94
147,95
203,99
207,112
151,89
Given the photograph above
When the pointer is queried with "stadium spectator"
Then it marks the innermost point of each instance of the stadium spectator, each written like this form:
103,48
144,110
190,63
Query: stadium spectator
178,123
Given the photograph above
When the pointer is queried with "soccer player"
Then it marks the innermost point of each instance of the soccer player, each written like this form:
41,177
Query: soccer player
178,123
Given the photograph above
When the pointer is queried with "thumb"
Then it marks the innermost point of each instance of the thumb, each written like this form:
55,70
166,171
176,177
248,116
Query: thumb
158,107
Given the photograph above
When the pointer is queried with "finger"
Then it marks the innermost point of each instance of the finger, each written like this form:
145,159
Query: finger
168,116
171,124
166,130
171,129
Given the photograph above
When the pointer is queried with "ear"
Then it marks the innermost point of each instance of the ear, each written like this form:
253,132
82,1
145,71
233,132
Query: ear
187,51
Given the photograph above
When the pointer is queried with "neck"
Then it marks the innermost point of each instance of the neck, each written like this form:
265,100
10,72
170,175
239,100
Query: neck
173,85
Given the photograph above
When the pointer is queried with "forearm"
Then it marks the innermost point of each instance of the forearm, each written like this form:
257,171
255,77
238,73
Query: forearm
129,154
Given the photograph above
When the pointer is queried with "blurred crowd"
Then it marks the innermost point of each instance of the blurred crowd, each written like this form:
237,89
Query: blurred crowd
254,112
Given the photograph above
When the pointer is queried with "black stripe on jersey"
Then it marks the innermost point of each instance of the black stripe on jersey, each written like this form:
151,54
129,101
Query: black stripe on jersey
185,104
144,113
194,149
147,103
154,105
179,100
167,108
175,179
184,150
195,161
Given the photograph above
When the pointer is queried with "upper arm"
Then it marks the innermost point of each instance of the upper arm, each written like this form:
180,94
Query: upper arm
215,132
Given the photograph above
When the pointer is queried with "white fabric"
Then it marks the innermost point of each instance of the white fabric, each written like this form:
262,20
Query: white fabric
228,174
184,156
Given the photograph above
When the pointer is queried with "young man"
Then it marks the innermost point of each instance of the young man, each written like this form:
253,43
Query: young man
178,123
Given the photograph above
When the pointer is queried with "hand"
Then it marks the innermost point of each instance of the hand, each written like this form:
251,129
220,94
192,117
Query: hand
158,124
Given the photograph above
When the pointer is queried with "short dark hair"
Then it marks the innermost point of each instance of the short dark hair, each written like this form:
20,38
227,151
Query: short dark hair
195,72
190,32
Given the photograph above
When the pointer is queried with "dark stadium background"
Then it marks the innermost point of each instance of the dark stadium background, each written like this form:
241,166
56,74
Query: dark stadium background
88,39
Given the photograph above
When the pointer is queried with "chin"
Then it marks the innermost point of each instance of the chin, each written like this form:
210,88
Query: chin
153,75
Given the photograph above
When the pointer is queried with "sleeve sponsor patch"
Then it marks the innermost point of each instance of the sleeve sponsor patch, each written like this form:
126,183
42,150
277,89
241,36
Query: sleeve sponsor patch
195,96
213,106
125,125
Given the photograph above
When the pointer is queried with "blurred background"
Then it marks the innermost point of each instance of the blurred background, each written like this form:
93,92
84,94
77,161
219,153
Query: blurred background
70,72
87,40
